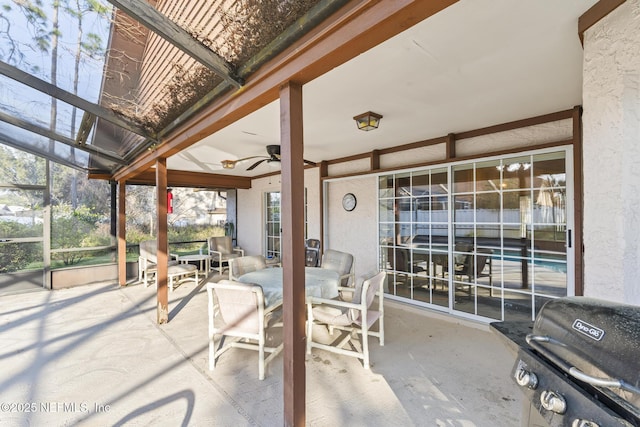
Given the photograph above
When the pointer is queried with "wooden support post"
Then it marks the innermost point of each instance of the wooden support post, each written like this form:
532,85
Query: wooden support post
578,210
163,242
375,160
122,234
292,214
451,146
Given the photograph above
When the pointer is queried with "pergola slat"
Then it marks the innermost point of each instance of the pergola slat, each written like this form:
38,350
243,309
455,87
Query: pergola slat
174,34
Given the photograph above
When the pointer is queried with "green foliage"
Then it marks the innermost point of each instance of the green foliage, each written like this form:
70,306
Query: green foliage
16,229
76,228
185,233
193,232
17,256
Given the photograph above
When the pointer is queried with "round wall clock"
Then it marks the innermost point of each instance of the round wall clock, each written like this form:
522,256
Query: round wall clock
349,202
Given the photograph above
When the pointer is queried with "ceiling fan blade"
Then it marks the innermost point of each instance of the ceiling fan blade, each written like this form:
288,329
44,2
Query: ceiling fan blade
253,166
248,158
231,164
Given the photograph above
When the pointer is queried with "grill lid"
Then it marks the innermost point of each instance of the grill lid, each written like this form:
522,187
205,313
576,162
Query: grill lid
596,342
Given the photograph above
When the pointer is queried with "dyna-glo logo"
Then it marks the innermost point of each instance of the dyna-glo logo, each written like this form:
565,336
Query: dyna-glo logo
587,329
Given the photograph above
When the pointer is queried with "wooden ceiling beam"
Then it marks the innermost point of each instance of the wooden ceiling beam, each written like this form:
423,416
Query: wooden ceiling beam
177,178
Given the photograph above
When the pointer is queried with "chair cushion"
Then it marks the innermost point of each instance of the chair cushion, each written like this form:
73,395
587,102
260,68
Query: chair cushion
331,315
338,261
224,245
181,269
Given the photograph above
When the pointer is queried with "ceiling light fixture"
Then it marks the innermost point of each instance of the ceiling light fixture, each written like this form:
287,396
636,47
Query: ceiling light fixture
228,164
368,121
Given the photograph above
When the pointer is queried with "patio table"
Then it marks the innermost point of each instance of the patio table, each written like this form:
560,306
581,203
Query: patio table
202,259
319,282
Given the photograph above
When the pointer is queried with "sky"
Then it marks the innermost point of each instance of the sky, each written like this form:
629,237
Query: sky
27,103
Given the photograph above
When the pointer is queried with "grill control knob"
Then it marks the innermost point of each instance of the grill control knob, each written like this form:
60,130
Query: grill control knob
584,423
526,378
552,401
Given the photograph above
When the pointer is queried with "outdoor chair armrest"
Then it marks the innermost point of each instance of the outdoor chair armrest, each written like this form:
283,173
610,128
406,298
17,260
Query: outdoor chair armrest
346,276
216,255
239,250
273,307
334,302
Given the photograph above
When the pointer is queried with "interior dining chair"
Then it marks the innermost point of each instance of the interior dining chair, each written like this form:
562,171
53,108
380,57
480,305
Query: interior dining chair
222,250
311,252
341,262
475,270
245,264
354,319
240,314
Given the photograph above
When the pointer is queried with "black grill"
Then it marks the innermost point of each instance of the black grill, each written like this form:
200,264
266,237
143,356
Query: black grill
578,364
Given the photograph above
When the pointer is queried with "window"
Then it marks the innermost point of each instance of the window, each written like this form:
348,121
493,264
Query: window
273,230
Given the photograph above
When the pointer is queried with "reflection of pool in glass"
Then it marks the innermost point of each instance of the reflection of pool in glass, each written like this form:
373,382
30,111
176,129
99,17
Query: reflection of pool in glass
558,265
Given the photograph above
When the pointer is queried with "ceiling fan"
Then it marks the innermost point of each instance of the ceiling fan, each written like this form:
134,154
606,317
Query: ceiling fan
273,152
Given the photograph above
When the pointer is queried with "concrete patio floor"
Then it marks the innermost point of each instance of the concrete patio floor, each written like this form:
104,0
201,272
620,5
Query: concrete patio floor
94,356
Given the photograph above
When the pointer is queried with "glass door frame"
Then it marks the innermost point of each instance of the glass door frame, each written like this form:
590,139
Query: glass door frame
269,252
569,212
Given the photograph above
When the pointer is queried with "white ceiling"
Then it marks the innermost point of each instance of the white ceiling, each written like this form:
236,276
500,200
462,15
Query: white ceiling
475,64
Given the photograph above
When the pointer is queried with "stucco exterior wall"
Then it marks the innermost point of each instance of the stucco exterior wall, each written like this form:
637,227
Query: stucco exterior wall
418,155
251,215
360,165
611,155
560,130
355,232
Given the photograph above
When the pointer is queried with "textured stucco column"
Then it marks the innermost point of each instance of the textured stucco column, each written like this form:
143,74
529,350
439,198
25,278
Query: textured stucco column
611,158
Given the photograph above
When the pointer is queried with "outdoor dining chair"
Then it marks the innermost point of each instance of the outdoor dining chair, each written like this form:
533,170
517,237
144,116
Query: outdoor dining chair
222,250
240,314
245,264
341,262
354,319
148,268
474,266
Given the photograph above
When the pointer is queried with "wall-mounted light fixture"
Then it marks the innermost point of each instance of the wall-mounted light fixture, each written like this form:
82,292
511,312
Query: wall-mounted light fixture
368,121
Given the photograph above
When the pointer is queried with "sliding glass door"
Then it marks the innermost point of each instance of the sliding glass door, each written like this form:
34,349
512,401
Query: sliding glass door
272,226
485,239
